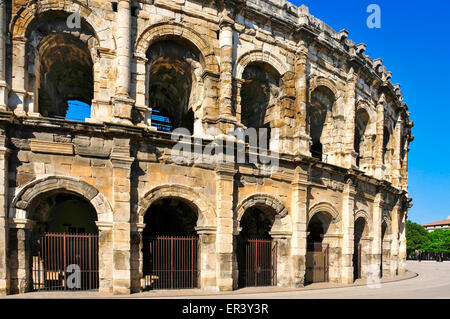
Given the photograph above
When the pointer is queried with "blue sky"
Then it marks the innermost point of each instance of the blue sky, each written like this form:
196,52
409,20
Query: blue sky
414,43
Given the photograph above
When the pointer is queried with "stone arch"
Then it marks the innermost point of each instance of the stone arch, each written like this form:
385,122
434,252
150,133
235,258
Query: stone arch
206,213
258,56
282,222
165,29
386,219
327,208
363,214
26,195
321,81
28,13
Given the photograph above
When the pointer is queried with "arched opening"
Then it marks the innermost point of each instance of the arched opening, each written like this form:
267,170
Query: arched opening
317,248
360,231
259,93
64,242
175,88
360,143
60,66
256,251
170,245
386,145
322,100
385,250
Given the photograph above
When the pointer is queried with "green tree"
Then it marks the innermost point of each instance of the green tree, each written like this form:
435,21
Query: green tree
439,241
417,237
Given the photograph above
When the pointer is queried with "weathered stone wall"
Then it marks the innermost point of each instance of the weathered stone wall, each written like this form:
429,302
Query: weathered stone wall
121,164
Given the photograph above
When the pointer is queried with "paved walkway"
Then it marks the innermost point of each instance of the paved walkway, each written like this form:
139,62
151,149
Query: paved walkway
427,279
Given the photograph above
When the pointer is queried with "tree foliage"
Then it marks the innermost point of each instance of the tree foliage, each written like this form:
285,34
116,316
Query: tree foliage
418,238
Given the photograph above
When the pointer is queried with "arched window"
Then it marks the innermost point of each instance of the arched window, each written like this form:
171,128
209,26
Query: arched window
174,84
362,120
259,92
386,145
322,100
60,66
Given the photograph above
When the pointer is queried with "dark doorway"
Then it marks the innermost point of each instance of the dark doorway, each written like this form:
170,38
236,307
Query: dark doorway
316,252
64,243
256,251
359,232
170,246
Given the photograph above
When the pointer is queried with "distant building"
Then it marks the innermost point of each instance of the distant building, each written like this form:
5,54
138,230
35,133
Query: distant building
442,224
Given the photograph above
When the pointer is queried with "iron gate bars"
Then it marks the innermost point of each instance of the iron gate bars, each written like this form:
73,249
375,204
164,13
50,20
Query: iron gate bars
258,260
172,262
66,262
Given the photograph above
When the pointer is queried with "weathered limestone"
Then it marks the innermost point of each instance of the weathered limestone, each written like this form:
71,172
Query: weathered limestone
121,165
348,222
229,57
4,229
4,90
299,220
224,235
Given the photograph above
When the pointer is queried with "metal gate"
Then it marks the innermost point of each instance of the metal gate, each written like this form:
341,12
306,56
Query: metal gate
171,262
257,263
66,262
357,262
316,263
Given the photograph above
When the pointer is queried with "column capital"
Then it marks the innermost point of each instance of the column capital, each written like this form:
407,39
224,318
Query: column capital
21,223
104,226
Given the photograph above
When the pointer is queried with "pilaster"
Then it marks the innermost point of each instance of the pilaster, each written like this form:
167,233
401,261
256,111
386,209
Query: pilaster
299,219
225,222
348,224
303,140
121,167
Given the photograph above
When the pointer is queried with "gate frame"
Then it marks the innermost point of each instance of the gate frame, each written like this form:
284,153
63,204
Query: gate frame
273,260
195,283
42,273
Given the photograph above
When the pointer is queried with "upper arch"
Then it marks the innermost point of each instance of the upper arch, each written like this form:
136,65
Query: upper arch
258,56
22,20
206,213
30,191
164,29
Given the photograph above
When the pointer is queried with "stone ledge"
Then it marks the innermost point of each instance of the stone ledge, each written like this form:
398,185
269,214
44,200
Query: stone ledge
51,147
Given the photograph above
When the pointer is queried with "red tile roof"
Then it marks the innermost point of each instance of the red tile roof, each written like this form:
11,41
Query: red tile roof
439,223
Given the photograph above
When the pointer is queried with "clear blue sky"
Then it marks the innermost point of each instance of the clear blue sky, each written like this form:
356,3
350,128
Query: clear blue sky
414,43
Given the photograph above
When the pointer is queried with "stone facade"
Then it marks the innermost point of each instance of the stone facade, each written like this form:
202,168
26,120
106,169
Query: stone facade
324,96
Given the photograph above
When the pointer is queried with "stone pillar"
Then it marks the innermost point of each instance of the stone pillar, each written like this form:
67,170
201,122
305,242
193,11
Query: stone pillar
3,85
142,106
105,257
19,254
397,142
237,83
122,104
137,258
402,245
374,271
226,63
350,154
394,241
4,245
225,220
121,164
378,149
284,275
303,140
19,76
208,266
299,225
348,224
